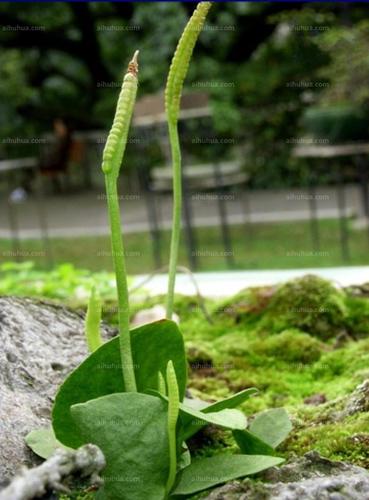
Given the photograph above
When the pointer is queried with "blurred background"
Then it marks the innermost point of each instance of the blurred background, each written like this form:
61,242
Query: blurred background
274,131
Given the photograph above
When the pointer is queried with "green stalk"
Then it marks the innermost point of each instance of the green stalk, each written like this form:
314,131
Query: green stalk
162,388
173,412
177,212
173,91
92,323
122,285
112,160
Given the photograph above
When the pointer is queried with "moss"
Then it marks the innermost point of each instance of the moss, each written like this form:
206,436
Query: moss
280,340
245,307
78,495
344,440
350,360
358,316
292,346
311,304
79,490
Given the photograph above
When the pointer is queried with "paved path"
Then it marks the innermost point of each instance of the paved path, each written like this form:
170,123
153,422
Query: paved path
85,214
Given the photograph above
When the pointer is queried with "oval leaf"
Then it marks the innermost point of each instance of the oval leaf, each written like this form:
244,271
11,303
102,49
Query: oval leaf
250,444
189,429
271,426
153,345
205,473
43,442
231,402
131,430
228,419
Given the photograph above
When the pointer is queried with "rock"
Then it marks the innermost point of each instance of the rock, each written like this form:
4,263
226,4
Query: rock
356,402
359,400
310,477
149,315
40,344
315,399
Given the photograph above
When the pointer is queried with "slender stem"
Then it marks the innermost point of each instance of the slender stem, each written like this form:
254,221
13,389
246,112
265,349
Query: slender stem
177,73
177,212
162,387
173,412
93,320
121,281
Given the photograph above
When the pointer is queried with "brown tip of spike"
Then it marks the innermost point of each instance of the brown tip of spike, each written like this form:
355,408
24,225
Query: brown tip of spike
133,65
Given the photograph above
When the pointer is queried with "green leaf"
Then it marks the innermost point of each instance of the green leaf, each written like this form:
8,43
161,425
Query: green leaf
43,442
228,419
271,426
196,404
208,472
131,430
184,458
250,444
153,345
233,401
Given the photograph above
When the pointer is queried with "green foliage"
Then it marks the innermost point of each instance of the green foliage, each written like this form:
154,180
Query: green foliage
334,375
272,426
142,436
63,282
227,418
250,444
337,123
231,402
266,432
153,345
191,426
256,107
131,430
208,472
345,43
43,442
14,91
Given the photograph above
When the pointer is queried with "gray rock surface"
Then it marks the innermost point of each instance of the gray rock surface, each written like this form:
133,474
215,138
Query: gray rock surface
359,400
40,343
310,477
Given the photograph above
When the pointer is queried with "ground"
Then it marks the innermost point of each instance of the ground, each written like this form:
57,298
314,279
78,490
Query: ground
304,345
